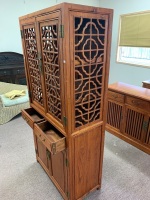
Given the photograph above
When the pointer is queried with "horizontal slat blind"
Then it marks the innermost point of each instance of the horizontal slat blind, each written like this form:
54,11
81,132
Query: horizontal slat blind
135,30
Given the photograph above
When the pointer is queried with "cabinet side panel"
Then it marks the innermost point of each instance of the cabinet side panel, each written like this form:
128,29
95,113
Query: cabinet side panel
90,33
87,161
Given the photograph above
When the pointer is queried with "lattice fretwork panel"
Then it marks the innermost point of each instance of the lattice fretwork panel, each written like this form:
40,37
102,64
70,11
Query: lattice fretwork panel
89,49
49,38
114,114
134,124
32,59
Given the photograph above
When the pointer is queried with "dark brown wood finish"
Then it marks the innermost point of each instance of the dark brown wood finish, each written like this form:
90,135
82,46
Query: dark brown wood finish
146,84
12,68
128,115
67,67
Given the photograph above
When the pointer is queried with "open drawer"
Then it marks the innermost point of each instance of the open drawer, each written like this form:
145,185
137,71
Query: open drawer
50,136
31,116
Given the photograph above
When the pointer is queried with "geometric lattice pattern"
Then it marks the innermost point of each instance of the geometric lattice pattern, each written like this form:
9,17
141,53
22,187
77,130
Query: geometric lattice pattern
51,67
89,50
33,62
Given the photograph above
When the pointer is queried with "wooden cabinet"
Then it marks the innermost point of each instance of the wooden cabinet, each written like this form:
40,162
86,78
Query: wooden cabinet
12,68
146,84
67,53
128,115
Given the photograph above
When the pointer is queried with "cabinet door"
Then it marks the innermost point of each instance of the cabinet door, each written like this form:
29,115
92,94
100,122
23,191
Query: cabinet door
43,48
59,169
115,116
52,72
43,155
88,53
134,123
32,63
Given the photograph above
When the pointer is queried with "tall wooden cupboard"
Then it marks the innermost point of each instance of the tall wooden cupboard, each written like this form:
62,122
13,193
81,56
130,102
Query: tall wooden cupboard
66,53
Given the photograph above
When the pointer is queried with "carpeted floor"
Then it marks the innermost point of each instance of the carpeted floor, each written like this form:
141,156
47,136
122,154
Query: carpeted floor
126,170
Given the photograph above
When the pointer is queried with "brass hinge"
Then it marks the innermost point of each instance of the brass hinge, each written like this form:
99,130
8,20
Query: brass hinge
61,31
48,154
65,121
145,125
67,162
21,32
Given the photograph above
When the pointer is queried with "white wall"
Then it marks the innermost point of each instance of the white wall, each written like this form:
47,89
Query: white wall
122,72
10,31
10,11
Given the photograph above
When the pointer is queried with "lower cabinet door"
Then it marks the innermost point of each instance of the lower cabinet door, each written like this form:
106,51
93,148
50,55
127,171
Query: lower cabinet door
59,169
54,165
42,154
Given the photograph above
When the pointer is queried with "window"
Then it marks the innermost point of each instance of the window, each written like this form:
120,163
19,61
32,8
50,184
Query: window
134,39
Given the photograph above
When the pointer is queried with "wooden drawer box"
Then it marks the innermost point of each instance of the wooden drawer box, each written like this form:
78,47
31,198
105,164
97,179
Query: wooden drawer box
116,96
31,116
139,103
51,137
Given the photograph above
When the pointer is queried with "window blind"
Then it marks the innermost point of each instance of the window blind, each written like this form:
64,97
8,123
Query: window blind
135,30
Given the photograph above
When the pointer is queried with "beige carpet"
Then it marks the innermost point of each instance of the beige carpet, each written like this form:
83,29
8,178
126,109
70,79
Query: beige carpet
126,170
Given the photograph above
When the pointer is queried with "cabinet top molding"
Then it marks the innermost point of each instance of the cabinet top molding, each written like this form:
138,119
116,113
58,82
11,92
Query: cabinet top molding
69,7
133,90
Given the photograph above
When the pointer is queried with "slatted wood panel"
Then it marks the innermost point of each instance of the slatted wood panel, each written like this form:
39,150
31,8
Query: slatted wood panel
134,124
90,38
32,59
114,114
147,137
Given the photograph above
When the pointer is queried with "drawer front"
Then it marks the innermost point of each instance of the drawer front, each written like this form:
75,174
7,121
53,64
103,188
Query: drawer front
47,143
31,116
27,118
139,103
116,96
55,143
